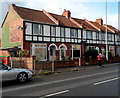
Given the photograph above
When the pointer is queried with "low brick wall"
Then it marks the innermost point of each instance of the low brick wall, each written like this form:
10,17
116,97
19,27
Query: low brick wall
24,62
110,60
44,65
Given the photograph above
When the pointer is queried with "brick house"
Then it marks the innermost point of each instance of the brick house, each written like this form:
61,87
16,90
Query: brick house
48,35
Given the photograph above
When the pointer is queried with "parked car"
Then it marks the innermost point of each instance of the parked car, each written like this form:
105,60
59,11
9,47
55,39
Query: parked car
9,73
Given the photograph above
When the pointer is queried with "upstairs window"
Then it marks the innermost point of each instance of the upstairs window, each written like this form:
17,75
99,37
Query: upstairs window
74,33
37,29
102,36
89,35
97,35
53,30
28,28
118,37
109,36
62,32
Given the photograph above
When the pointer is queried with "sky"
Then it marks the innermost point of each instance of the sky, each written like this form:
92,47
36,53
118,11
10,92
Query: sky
87,9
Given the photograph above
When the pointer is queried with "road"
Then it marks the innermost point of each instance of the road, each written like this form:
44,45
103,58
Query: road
98,82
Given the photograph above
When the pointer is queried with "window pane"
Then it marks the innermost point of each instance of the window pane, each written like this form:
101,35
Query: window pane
40,29
89,34
39,50
35,29
62,32
52,31
102,36
74,33
97,35
28,28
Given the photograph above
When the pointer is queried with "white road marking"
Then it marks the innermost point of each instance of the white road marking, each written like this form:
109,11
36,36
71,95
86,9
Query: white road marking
106,81
57,81
57,93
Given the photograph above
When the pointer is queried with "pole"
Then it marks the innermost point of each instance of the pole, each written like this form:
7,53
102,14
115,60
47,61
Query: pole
106,35
72,51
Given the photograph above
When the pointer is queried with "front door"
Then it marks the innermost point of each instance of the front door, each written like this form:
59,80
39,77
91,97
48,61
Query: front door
52,52
62,53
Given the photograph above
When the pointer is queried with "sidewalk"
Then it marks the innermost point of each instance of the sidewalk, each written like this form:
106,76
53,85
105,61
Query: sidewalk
82,68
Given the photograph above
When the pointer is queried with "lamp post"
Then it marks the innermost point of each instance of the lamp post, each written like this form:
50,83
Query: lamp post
106,35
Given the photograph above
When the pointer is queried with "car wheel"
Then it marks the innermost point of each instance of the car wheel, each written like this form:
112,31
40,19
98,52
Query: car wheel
22,77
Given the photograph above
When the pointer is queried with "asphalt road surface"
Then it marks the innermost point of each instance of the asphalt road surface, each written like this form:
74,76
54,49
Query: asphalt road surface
98,82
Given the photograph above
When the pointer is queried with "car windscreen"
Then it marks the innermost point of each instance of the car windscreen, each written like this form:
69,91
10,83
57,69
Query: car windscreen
3,66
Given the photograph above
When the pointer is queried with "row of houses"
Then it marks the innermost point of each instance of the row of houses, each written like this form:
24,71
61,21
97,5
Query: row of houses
46,35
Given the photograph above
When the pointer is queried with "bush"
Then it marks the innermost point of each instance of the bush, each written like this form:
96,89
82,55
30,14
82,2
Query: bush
92,52
46,72
68,58
109,54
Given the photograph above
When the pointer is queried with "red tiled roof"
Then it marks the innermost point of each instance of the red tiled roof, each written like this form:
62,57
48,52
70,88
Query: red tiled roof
101,27
63,21
32,15
84,24
114,29
40,16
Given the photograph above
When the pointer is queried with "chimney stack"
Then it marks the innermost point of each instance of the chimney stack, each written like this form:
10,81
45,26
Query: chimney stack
100,21
66,13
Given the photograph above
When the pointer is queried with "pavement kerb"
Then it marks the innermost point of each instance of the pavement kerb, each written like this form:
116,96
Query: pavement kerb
82,68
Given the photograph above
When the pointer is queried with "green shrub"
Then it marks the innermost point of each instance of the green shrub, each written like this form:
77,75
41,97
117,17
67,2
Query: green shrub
45,72
68,58
109,54
92,52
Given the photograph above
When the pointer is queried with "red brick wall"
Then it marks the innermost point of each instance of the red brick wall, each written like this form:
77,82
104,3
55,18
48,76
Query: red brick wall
16,34
4,53
24,62
43,65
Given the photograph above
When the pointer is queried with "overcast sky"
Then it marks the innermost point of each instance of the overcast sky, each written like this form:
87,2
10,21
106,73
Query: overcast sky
89,9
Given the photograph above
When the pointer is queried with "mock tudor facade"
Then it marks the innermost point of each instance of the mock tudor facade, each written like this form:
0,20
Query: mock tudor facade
48,35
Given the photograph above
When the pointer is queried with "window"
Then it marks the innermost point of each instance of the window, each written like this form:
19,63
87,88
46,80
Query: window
74,33
53,29
97,35
75,51
40,51
102,36
62,32
89,35
118,37
109,36
28,28
37,29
